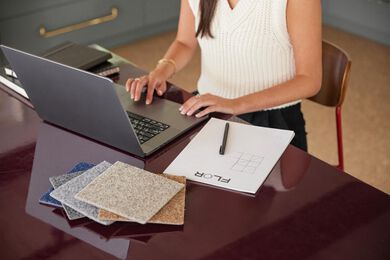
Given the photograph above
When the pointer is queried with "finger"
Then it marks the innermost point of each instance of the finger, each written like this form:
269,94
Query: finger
188,104
138,89
151,87
128,84
196,103
161,88
133,86
207,111
201,103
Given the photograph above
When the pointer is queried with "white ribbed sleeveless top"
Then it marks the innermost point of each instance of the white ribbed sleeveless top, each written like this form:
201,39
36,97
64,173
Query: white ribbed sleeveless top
250,51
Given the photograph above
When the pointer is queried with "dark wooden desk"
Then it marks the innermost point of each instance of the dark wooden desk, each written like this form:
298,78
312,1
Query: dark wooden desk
306,208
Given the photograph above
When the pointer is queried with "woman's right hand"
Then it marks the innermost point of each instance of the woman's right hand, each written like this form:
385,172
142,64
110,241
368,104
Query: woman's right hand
155,81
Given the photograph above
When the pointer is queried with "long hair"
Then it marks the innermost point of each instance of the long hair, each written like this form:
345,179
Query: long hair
207,11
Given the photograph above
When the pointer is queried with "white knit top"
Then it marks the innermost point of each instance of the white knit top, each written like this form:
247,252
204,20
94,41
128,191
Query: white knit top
250,51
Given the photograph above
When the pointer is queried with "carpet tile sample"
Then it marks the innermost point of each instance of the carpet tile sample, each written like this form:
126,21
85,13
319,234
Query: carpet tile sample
172,213
65,193
57,181
82,166
47,200
71,213
130,192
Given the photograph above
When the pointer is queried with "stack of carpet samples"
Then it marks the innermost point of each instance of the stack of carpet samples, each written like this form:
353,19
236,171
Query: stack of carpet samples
108,192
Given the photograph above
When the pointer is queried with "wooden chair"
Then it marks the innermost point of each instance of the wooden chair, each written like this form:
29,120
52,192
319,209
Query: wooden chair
336,65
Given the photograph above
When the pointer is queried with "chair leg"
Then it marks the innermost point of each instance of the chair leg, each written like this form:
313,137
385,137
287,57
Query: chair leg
339,138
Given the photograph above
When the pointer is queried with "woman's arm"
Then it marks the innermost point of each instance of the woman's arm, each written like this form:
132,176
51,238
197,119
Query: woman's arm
180,51
304,27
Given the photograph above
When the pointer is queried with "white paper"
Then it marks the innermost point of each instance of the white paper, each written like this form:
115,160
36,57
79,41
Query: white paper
13,86
250,154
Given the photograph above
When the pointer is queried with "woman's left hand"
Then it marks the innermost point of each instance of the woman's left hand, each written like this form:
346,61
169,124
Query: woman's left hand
211,102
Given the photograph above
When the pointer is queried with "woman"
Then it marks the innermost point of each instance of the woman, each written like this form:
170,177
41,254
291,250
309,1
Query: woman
259,59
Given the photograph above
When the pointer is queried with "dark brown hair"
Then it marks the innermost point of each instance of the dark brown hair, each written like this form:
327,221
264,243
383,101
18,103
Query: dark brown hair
207,10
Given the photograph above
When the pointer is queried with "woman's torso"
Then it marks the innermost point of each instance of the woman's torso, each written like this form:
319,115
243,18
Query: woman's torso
250,51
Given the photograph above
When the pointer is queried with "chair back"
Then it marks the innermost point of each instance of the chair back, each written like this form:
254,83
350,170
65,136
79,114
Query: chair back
336,65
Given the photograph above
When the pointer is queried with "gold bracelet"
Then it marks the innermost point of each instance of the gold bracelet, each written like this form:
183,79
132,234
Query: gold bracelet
170,61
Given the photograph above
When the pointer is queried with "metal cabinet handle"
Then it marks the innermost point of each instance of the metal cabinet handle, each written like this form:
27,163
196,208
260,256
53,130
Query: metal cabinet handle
74,27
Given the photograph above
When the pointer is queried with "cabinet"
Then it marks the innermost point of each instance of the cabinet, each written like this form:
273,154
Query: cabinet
368,18
118,21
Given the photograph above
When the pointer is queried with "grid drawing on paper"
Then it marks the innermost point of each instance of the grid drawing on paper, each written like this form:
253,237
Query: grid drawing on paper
246,162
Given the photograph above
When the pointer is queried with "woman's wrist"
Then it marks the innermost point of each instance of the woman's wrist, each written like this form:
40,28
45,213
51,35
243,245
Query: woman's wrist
239,106
167,67
171,62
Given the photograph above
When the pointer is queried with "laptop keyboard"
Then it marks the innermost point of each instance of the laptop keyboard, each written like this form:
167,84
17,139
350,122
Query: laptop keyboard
146,128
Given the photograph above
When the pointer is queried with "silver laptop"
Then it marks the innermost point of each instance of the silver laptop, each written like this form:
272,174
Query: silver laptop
96,107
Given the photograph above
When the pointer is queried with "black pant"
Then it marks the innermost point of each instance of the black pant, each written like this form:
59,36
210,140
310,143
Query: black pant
289,118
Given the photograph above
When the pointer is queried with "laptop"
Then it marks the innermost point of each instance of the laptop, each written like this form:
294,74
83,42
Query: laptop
96,107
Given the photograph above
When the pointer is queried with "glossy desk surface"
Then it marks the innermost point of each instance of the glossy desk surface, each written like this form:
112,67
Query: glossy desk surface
305,209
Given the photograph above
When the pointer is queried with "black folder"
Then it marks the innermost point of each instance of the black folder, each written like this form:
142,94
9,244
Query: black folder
77,55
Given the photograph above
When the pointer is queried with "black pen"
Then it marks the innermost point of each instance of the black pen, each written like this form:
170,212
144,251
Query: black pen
225,135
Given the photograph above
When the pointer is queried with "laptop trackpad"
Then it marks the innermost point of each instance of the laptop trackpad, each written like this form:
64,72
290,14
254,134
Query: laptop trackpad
162,110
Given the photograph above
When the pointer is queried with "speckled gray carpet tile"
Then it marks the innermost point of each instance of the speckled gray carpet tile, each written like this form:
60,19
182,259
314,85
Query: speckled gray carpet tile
130,192
56,182
65,193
